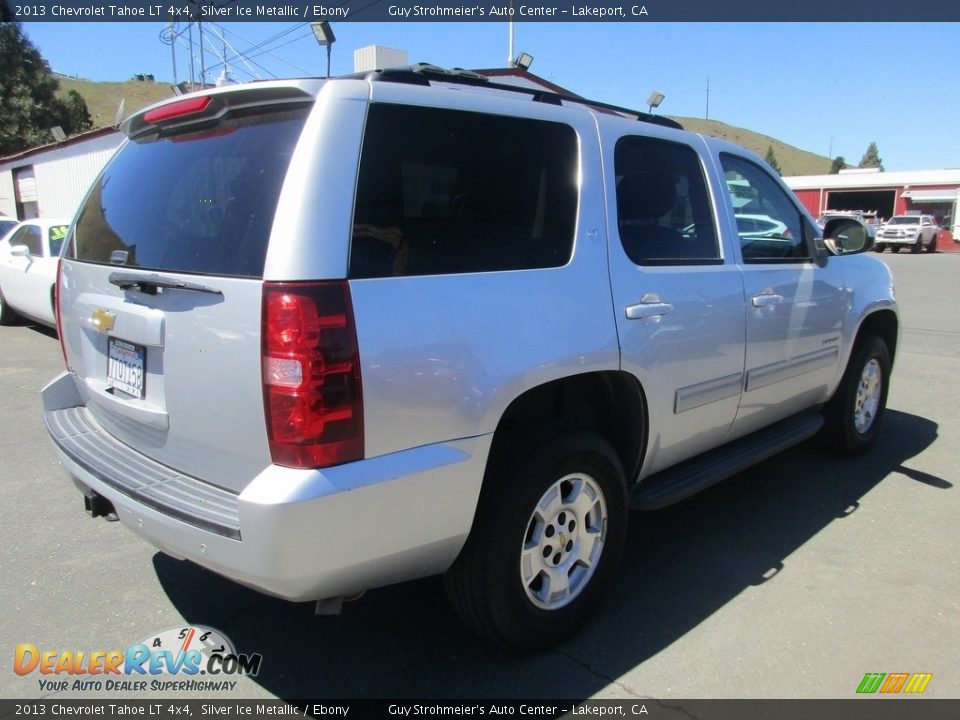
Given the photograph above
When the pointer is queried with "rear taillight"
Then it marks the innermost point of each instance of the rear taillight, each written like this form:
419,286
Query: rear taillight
311,374
56,310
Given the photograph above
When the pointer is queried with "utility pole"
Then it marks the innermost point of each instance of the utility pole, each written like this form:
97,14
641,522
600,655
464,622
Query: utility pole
203,65
173,49
510,43
190,43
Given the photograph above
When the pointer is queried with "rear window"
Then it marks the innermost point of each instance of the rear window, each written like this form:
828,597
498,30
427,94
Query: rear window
447,191
194,202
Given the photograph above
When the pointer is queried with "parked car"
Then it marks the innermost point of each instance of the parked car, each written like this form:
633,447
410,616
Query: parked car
918,232
29,255
326,335
760,226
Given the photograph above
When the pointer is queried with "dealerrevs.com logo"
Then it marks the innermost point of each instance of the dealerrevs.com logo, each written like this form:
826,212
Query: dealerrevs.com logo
191,658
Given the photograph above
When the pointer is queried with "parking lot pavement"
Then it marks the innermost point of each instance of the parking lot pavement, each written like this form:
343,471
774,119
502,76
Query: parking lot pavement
793,579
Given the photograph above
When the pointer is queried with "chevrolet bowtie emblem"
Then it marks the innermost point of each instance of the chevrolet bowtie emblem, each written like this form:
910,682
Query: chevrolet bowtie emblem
102,320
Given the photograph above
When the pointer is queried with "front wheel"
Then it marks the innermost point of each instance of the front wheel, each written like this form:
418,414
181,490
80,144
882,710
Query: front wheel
7,315
932,245
855,413
546,540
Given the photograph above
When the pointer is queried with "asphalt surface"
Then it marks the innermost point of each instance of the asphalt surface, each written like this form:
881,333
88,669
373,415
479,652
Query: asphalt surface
792,580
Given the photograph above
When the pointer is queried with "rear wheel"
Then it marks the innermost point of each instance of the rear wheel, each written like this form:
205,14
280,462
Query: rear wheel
855,413
546,540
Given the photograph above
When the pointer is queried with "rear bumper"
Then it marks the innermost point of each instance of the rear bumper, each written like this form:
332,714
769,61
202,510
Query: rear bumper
295,534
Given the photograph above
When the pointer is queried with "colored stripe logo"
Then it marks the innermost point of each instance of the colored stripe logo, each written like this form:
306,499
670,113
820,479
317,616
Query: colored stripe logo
892,683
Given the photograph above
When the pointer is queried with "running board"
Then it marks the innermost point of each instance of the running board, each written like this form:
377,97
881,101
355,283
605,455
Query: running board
691,476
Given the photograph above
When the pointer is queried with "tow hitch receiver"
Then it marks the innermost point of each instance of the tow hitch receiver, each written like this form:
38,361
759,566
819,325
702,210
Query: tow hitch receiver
97,505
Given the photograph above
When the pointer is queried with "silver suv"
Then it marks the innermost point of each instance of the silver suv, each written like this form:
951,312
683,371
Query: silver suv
322,336
917,232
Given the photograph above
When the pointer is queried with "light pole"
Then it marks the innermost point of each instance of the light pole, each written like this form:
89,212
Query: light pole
324,34
654,100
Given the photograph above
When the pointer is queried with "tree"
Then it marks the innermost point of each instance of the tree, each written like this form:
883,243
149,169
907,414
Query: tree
76,115
771,159
29,106
837,165
871,158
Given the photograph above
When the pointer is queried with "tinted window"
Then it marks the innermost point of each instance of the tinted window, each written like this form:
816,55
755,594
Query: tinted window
30,236
770,225
445,191
663,208
197,202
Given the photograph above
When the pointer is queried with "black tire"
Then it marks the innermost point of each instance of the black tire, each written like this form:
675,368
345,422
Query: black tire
850,427
932,245
917,246
7,315
514,526
879,248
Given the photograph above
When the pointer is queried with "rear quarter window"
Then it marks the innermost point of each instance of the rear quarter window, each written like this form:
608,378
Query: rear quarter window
201,201
446,191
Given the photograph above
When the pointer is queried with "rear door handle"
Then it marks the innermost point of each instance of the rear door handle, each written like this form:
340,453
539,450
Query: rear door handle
649,306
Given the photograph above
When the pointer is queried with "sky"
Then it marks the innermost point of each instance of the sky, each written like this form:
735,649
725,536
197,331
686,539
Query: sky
829,88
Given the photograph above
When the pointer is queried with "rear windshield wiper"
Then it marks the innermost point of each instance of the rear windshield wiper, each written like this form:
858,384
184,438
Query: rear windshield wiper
149,284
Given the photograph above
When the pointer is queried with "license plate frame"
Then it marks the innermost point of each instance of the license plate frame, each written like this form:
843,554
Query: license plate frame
127,367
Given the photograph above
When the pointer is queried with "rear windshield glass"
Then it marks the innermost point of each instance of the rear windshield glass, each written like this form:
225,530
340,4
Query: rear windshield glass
195,202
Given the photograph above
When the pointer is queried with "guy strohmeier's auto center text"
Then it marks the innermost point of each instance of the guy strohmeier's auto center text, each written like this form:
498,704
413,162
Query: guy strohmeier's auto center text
508,11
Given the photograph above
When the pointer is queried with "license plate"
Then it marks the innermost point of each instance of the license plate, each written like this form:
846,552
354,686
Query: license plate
125,366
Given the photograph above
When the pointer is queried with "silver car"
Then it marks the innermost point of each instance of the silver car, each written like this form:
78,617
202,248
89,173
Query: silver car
322,336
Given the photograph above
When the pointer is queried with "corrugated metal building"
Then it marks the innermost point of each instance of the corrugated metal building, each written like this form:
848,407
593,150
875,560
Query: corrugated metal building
50,181
931,192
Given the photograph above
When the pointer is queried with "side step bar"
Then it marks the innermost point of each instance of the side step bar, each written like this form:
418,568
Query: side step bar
691,476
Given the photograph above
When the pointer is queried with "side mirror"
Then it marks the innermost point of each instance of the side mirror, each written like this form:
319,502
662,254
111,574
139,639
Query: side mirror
846,236
19,250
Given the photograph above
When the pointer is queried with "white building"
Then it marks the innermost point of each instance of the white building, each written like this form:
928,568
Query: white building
376,57
50,181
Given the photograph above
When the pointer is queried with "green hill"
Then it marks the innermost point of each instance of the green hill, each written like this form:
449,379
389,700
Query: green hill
103,99
792,160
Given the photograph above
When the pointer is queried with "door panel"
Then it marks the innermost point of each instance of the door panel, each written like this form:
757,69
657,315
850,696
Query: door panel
795,303
679,305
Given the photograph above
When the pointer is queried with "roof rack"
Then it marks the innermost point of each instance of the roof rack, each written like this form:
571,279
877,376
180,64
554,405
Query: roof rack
423,73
